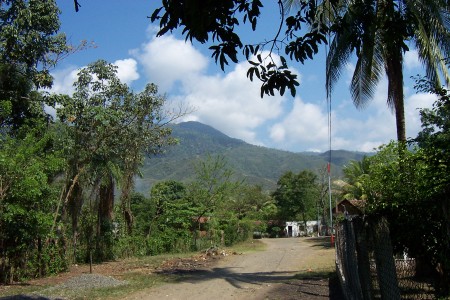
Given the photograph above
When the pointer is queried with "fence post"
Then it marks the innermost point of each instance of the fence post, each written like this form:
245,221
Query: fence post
362,252
384,259
351,261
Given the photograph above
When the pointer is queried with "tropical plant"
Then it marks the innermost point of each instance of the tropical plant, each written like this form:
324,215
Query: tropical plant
212,185
412,190
248,201
378,33
171,225
354,175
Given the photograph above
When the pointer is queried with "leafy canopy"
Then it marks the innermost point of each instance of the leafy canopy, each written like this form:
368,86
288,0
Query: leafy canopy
218,21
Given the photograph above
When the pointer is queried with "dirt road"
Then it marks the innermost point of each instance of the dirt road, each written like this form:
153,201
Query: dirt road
260,275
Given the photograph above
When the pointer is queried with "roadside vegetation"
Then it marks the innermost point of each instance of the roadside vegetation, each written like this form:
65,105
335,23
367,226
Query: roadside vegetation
132,274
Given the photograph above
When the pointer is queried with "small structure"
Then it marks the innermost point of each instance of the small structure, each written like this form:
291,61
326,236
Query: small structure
292,229
312,226
350,208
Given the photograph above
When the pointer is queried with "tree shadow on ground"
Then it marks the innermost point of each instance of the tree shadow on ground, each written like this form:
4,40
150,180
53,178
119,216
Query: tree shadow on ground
284,285
320,242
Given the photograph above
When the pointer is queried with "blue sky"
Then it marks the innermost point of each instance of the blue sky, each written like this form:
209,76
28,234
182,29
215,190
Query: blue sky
228,101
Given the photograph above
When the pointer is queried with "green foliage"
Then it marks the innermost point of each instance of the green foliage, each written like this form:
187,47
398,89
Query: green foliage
110,129
275,231
412,189
171,240
213,185
134,245
248,202
354,175
204,21
144,210
296,195
30,39
235,230
434,183
27,199
30,46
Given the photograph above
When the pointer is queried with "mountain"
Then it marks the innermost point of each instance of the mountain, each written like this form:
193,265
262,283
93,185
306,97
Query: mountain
254,164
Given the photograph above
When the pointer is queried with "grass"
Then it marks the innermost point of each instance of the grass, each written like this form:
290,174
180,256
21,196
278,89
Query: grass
322,264
250,245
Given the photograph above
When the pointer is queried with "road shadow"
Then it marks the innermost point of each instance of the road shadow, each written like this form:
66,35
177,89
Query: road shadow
320,242
285,285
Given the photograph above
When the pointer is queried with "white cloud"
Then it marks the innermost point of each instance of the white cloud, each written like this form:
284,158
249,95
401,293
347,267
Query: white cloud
167,60
230,103
305,126
411,60
127,70
64,79
368,129
412,106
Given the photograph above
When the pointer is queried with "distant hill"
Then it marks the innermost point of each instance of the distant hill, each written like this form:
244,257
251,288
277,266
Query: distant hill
255,164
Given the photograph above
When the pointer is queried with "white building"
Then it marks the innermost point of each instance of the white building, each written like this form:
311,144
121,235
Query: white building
292,229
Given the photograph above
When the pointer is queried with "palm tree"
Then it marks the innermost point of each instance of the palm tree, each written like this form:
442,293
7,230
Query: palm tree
377,32
355,173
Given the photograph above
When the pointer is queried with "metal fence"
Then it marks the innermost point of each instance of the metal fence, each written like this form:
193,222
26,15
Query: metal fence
366,265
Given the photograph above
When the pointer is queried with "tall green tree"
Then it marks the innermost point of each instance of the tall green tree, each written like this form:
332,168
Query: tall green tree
248,201
379,32
212,186
170,227
30,156
30,46
172,208
296,195
110,130
412,190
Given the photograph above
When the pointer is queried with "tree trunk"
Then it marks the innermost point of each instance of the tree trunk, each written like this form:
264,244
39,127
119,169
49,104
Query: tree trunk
106,202
104,220
394,71
125,201
75,201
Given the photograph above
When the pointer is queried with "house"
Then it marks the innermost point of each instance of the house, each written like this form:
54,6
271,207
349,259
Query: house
292,229
352,207
312,226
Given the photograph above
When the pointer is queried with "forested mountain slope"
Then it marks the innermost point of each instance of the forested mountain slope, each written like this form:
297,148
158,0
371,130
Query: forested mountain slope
254,164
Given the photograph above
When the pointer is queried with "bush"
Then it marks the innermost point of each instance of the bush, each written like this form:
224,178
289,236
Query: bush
275,231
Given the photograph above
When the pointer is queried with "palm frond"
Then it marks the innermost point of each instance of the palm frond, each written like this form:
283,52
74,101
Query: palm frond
338,55
432,37
368,70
